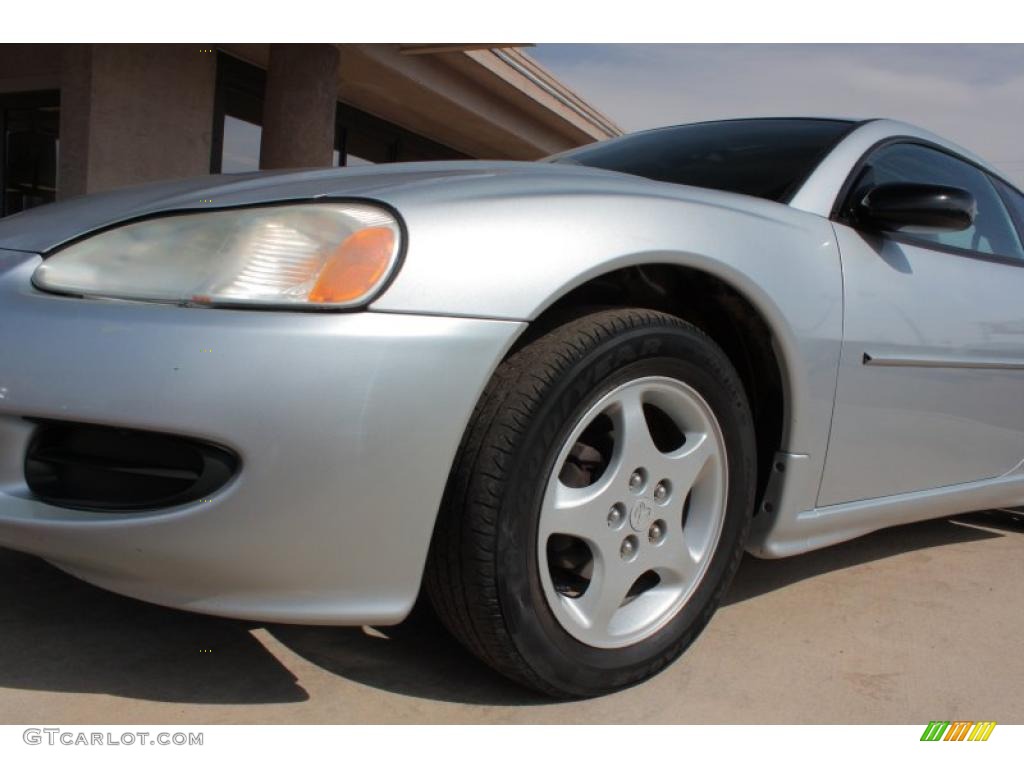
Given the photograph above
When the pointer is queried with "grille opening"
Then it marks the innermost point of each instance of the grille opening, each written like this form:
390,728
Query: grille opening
109,469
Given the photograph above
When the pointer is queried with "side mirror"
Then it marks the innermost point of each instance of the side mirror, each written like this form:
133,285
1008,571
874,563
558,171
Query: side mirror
915,208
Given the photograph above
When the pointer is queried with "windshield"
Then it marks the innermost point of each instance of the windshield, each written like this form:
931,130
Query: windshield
766,158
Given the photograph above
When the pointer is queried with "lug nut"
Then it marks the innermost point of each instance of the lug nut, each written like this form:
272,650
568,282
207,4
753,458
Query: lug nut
628,548
636,480
656,531
661,491
615,516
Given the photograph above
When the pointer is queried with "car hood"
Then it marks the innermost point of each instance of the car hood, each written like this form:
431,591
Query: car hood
44,228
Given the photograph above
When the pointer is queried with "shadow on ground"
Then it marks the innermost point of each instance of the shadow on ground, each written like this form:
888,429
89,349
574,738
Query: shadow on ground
417,658
59,634
757,577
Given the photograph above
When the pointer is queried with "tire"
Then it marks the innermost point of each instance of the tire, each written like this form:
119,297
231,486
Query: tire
508,573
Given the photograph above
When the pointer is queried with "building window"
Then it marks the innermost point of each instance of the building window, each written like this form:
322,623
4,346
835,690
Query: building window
237,116
241,150
29,124
362,139
359,137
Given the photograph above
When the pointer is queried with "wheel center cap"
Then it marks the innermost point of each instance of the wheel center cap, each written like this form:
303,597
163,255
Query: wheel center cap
640,516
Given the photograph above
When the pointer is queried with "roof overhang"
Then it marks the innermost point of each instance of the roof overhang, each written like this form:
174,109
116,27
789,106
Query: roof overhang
492,102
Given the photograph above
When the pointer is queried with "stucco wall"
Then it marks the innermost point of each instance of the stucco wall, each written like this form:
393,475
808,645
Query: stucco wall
150,112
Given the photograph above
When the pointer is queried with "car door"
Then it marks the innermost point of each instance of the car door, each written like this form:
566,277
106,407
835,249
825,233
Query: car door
930,390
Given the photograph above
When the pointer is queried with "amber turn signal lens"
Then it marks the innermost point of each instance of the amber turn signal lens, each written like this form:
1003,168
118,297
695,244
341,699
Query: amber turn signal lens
355,267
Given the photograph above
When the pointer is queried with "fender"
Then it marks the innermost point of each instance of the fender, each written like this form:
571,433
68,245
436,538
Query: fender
510,250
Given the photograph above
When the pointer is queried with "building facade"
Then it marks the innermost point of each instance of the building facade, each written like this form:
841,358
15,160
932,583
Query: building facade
81,118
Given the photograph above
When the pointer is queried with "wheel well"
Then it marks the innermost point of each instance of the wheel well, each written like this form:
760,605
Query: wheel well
713,306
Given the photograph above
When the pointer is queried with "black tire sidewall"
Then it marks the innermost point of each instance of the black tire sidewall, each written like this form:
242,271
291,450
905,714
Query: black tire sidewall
665,349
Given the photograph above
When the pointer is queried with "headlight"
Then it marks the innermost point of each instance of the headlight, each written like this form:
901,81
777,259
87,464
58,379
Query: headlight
316,255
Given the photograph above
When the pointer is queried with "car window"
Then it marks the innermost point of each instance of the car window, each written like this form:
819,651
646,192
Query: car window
993,231
765,157
1015,202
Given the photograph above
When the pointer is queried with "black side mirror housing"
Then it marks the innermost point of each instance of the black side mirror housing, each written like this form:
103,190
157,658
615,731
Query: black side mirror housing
915,208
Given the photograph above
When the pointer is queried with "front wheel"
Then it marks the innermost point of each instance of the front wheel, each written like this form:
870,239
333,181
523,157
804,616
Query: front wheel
599,504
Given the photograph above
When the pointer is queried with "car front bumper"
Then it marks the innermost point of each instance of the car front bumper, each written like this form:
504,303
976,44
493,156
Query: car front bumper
346,425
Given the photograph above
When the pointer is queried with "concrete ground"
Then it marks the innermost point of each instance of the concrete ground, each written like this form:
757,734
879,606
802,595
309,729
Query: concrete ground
908,625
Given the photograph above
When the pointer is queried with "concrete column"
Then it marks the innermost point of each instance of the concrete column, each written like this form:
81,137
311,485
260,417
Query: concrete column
75,102
298,108
134,113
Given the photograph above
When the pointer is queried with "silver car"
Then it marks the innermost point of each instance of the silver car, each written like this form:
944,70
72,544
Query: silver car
559,399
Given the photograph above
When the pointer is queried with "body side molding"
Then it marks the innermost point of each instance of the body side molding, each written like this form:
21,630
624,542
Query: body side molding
913,361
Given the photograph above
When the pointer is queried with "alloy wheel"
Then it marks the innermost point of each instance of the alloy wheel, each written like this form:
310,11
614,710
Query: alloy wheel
632,512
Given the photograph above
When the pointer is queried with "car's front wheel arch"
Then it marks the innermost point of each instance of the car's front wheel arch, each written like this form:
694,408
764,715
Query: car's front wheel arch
731,318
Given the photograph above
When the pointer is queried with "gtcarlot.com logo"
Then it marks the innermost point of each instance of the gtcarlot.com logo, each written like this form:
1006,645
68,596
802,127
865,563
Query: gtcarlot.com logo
958,730
71,738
